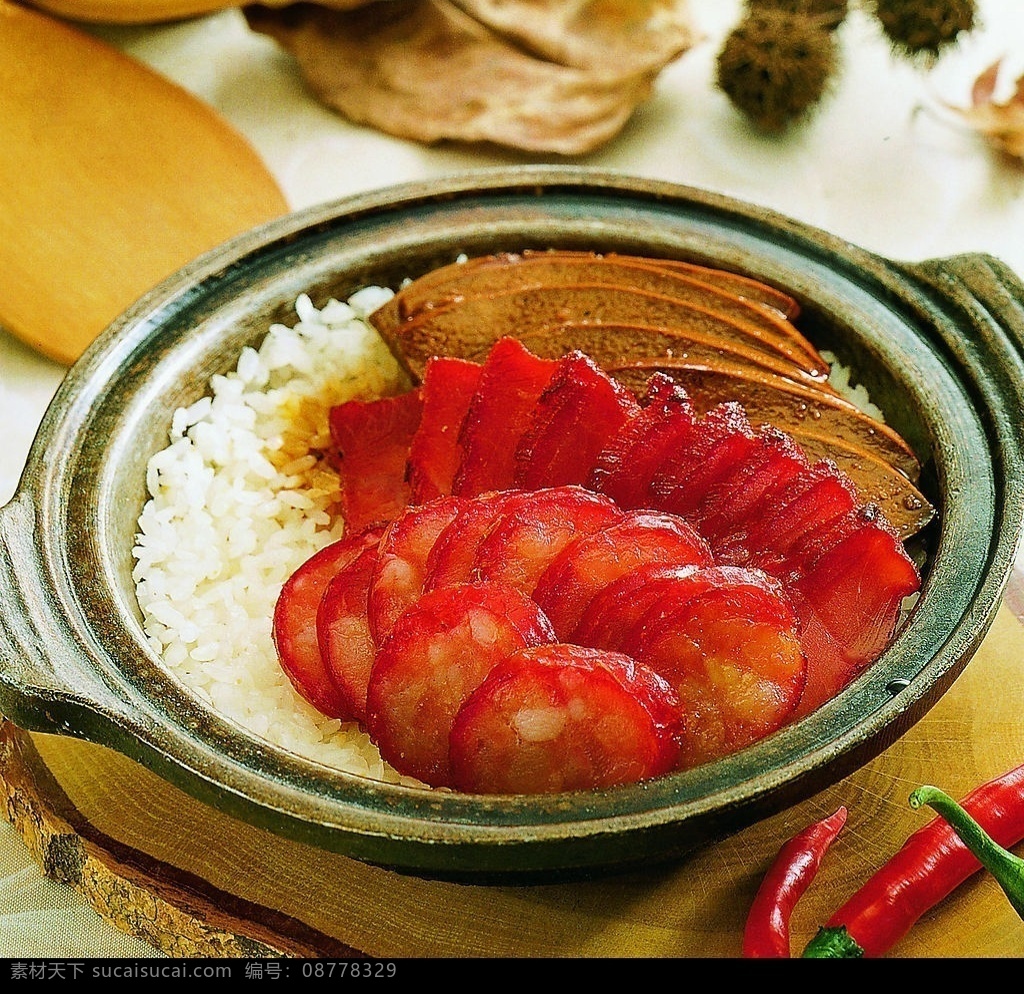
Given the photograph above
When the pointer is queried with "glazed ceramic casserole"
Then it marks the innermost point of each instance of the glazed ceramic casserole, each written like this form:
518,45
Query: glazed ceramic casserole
938,344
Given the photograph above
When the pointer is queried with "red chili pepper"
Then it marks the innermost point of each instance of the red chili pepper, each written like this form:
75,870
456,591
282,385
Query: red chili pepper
1007,868
931,864
766,935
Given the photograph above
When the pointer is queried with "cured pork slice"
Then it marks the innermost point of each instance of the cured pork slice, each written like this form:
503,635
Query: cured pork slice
730,507
511,382
626,465
777,401
434,453
573,418
372,440
437,654
805,504
563,717
721,441
849,596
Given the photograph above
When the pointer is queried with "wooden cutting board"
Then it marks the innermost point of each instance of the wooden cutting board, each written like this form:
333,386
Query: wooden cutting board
192,881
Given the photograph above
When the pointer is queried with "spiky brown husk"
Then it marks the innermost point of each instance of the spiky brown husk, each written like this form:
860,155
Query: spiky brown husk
924,28
828,13
775,67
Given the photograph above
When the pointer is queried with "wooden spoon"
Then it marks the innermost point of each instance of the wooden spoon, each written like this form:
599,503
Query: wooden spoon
153,11
111,178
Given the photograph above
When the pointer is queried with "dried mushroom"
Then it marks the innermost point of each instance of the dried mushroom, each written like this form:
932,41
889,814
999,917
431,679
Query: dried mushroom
428,71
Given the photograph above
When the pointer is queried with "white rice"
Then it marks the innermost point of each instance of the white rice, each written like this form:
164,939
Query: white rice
239,499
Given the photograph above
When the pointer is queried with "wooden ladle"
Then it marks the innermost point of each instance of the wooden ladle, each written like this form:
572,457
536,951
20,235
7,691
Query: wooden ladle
152,11
111,178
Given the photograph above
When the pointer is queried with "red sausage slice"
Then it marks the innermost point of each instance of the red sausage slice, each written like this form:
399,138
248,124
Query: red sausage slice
611,616
439,651
579,410
451,559
343,630
372,440
592,562
401,565
564,717
294,623
730,648
533,528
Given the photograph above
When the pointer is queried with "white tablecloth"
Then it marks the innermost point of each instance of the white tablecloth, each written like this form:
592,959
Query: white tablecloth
880,165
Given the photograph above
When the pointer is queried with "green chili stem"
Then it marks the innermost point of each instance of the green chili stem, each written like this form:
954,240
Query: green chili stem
833,943
1007,868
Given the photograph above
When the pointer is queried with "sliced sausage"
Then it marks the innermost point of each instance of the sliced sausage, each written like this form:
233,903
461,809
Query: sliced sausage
343,632
401,566
586,566
294,621
727,640
564,717
533,528
438,652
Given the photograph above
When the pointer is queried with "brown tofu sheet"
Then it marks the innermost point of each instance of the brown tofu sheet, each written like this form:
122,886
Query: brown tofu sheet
560,76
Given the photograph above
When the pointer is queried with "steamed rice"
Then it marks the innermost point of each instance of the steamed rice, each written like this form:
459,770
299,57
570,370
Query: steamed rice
241,497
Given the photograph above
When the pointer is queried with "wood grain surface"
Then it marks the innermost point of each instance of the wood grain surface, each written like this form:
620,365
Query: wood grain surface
194,882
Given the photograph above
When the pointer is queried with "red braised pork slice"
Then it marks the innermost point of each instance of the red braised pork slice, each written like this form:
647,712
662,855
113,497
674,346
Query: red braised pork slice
533,528
294,621
438,653
722,440
726,638
591,563
563,717
343,632
807,503
730,508
580,409
849,598
512,380
372,440
401,565
626,465
434,454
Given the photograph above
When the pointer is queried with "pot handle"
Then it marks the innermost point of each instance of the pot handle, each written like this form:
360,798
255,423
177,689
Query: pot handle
47,681
976,278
